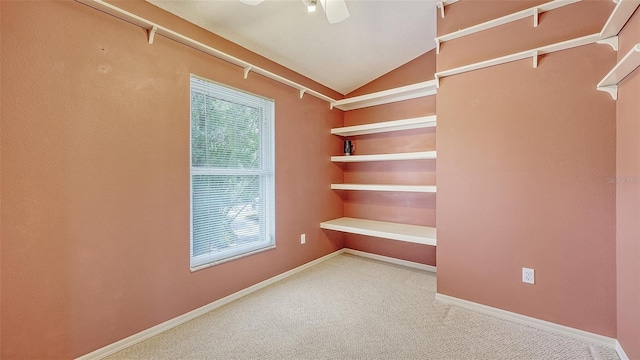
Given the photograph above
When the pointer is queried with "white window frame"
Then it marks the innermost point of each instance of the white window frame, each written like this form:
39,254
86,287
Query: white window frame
266,173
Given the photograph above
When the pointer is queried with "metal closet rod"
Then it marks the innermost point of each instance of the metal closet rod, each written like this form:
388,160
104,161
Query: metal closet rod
154,29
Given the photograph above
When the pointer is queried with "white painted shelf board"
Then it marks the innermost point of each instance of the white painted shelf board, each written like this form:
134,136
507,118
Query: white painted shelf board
412,91
387,230
441,4
155,29
534,11
379,187
618,18
385,157
533,53
386,126
626,66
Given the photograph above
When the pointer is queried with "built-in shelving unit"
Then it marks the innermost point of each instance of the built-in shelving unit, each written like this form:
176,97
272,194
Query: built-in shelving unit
623,68
533,54
386,126
421,155
618,18
534,12
387,230
378,187
408,92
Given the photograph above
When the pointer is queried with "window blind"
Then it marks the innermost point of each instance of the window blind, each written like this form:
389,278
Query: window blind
232,173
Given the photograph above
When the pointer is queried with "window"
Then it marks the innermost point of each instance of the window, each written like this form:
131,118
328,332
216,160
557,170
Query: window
232,173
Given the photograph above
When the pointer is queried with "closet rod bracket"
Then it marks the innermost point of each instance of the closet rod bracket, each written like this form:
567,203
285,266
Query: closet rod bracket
611,41
152,34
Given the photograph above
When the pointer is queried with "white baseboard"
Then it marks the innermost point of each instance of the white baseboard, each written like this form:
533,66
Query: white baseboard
169,324
527,320
390,260
620,351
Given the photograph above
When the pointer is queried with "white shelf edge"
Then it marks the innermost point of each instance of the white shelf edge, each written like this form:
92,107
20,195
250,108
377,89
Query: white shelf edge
534,12
425,88
441,5
623,68
421,155
154,29
378,187
532,53
386,126
616,21
387,230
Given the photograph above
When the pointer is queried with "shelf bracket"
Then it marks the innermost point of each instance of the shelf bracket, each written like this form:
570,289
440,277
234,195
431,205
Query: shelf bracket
534,56
246,72
611,41
437,45
612,90
152,33
437,80
441,6
331,106
536,17
302,91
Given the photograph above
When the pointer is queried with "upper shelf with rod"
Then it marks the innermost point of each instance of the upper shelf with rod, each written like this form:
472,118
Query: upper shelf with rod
154,29
618,18
622,69
534,12
532,53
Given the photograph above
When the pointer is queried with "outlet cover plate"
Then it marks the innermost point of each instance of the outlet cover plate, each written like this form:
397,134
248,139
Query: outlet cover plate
528,276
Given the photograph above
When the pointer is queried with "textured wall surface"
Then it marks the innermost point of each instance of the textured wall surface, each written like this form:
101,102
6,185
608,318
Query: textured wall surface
628,198
524,157
95,180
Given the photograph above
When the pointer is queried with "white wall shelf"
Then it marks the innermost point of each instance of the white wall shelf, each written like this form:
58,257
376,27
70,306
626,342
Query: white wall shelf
408,92
533,54
154,29
386,126
422,155
618,18
534,12
378,187
441,4
626,66
387,230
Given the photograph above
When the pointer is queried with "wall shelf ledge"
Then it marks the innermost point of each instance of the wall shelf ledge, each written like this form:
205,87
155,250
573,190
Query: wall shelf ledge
626,66
386,126
534,12
377,187
618,18
425,88
420,155
386,230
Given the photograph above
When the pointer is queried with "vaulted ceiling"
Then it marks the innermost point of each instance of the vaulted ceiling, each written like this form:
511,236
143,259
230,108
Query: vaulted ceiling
379,36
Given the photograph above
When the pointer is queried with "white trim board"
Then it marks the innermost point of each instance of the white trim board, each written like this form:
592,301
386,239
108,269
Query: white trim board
620,351
390,260
527,320
178,320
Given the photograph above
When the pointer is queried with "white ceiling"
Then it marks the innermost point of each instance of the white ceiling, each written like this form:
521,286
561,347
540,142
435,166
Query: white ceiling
379,36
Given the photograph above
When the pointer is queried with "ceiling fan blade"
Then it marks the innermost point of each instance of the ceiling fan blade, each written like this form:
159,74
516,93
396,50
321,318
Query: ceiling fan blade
336,10
251,2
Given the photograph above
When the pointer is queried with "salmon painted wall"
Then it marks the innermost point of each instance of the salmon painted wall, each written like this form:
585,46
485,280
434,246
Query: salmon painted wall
407,208
524,155
95,181
628,198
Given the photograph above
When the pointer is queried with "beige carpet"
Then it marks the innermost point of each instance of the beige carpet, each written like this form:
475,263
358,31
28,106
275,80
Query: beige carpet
354,308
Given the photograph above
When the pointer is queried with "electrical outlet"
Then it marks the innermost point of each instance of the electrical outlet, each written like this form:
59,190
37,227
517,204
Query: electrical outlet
303,238
528,276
